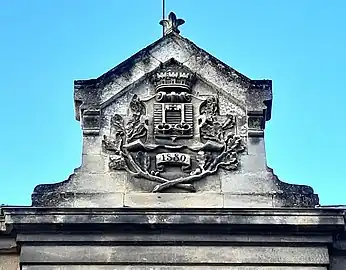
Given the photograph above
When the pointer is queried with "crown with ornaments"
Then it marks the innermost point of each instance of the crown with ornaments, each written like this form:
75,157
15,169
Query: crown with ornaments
173,76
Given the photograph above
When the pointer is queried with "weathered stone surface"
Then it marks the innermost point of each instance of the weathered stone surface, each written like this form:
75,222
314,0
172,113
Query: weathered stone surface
128,91
291,218
171,200
260,182
338,262
173,176
100,200
243,200
162,267
172,236
94,163
9,262
80,199
8,245
171,24
91,145
174,119
187,238
175,254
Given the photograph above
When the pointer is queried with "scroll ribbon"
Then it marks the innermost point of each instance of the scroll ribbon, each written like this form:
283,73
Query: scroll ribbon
173,159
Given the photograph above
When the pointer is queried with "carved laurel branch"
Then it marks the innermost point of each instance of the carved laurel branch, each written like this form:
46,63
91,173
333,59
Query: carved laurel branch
140,173
226,159
123,160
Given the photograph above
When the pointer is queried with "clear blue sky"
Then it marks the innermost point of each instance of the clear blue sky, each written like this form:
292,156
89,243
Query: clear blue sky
45,45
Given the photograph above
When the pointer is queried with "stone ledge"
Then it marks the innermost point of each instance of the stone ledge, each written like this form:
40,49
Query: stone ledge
160,237
201,200
78,199
323,219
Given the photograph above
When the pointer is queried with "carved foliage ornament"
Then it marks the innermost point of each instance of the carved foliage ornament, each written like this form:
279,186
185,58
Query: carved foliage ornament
170,142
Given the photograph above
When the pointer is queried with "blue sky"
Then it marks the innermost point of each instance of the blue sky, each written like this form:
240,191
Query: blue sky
45,45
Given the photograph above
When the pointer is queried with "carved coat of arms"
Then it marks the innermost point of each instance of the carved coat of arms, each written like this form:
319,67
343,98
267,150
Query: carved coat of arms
174,137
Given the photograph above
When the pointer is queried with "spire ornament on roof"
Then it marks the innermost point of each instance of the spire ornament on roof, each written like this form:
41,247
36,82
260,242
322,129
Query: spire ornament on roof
171,24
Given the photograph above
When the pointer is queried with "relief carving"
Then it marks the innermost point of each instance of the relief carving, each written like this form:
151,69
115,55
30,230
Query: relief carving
211,127
189,140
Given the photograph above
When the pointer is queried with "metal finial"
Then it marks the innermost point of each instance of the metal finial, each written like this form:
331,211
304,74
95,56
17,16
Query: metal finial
171,24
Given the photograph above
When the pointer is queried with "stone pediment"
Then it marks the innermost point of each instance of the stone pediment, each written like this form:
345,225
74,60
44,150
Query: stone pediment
209,69
172,126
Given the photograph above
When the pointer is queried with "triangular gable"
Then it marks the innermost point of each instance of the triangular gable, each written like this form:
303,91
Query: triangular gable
172,61
206,66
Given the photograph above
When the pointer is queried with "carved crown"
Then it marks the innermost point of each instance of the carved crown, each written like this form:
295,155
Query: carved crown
173,75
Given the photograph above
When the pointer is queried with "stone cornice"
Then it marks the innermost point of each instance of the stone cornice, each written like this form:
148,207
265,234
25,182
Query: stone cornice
62,234
290,219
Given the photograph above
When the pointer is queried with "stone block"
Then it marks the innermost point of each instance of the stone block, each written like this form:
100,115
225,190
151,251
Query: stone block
248,200
174,200
84,199
252,163
92,145
256,146
97,182
247,183
99,200
208,184
294,199
94,164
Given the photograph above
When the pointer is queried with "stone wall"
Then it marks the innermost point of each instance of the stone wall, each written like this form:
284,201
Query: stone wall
9,262
9,257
